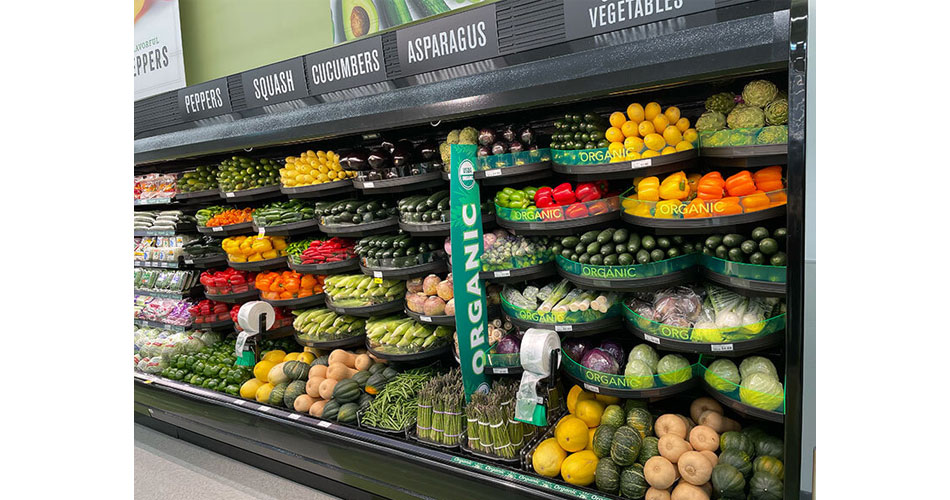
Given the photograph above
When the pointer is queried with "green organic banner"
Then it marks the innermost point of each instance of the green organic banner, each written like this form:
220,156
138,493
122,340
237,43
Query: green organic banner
471,316
528,479
648,270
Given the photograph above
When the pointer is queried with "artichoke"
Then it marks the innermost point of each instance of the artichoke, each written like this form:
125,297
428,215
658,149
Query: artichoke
759,92
718,139
711,121
445,150
722,102
776,112
742,138
746,117
453,137
468,135
775,134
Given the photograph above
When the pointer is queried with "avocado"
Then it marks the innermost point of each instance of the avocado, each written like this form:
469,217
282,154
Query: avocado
359,18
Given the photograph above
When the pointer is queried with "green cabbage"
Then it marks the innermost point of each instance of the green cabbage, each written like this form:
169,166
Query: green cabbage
762,391
638,375
757,364
646,354
722,375
673,369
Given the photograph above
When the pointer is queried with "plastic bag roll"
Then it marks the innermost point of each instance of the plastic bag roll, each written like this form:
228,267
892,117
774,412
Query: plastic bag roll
250,312
536,347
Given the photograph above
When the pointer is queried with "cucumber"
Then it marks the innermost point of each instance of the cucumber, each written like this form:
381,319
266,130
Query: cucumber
732,240
633,244
394,13
611,260
722,252
768,246
429,7
688,248
663,242
673,252
780,234
736,255
593,248
677,240
443,204
760,233
570,241
643,257
757,258
779,259
648,243
606,249
581,247
433,200
597,260
605,236
620,247
557,248
749,247
625,259
621,235
713,241
657,255
589,237
584,258
574,257
567,252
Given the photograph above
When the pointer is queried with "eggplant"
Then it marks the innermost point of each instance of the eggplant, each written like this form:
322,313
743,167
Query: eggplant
515,147
533,147
358,159
509,133
379,158
527,136
388,146
483,151
486,137
499,148
402,153
428,150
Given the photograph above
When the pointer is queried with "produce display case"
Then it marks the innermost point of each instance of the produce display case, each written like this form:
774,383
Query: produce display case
355,461
596,164
404,267
638,277
559,219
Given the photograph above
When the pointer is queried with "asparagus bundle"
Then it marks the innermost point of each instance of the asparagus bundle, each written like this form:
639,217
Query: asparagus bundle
492,429
439,415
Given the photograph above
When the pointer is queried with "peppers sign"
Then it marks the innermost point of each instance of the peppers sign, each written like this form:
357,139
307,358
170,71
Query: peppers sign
158,64
471,321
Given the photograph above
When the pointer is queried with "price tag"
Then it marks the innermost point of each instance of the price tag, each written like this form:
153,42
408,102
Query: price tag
217,229
646,162
369,184
148,381
425,319
377,274
720,347
377,280
495,172
239,402
293,416
502,274
563,328
323,424
263,408
592,388
260,232
189,262
651,338
229,195
501,371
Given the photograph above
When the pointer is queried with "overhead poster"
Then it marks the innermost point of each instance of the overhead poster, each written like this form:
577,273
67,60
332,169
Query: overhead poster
353,19
157,65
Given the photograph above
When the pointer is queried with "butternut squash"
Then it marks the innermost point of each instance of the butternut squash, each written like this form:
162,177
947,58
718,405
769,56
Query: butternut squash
339,371
702,404
313,386
711,456
316,409
318,371
375,359
718,423
703,437
672,446
657,494
659,472
670,424
362,362
686,491
326,388
694,467
341,356
303,403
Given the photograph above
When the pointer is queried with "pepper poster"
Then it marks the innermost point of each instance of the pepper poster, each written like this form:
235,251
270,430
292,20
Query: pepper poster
157,64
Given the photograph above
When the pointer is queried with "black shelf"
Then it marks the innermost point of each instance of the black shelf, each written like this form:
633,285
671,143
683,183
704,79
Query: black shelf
256,194
214,325
742,408
229,230
196,196
520,274
328,268
758,155
220,260
630,285
434,267
706,224
560,227
426,228
356,340
294,228
657,165
743,285
567,330
360,230
325,189
432,320
313,300
366,311
418,356
236,298
652,393
513,175
260,265
401,184
725,349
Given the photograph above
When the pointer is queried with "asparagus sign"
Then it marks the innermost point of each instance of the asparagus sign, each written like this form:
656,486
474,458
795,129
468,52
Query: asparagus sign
471,322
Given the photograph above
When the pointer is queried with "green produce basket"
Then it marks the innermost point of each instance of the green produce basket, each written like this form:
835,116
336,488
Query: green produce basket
658,385
559,213
705,335
740,398
518,262
756,272
698,211
402,262
776,134
648,270
552,318
513,159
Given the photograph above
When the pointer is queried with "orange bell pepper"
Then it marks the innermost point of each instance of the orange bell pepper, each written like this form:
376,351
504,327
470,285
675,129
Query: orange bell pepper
769,179
756,201
726,206
740,184
696,209
286,295
307,282
710,186
778,198
304,293
693,181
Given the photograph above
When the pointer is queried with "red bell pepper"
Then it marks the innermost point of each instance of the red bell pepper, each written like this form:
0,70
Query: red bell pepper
564,195
543,197
587,191
576,211
598,207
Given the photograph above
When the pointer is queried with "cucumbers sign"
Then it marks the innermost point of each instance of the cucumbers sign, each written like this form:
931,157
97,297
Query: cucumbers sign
471,322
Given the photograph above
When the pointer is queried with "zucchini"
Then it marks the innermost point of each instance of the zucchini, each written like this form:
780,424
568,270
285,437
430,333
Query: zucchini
430,7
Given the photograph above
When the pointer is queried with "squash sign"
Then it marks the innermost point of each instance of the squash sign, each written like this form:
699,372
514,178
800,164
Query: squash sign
471,322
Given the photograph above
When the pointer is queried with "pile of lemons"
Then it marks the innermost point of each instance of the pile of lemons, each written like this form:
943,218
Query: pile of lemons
648,131
313,168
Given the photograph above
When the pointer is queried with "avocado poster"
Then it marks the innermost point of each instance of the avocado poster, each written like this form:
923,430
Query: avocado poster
353,19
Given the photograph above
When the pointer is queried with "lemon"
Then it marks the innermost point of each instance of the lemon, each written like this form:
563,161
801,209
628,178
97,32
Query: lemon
578,468
590,411
631,155
690,135
651,111
607,400
649,154
635,112
646,128
571,434
614,134
615,149
249,388
672,114
617,119
616,159
630,129
660,123
668,150
547,458
577,394
654,141
633,144
684,145
672,136
682,124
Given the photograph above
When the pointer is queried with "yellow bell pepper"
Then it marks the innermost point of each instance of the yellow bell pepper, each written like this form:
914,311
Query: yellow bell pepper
675,187
629,204
668,209
642,210
237,258
261,245
254,258
648,189
270,254
279,243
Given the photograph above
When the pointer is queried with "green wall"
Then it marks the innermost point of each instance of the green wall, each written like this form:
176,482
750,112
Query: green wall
223,37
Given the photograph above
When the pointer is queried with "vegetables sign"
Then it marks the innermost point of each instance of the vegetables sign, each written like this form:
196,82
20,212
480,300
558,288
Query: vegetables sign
471,321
